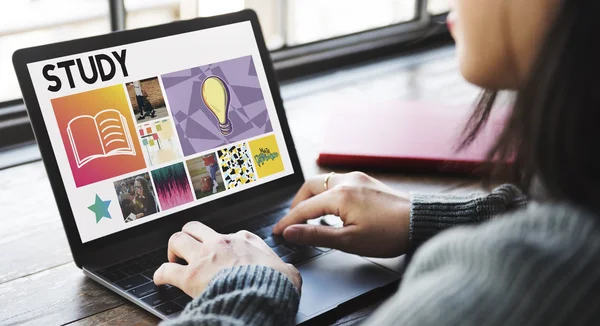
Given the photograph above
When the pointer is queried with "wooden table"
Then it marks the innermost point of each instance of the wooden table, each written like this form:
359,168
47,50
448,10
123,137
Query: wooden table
40,285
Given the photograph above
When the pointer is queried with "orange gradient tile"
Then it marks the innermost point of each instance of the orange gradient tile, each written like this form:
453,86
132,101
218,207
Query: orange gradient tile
99,134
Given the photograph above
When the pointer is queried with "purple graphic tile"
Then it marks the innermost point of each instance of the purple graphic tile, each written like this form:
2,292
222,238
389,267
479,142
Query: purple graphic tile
197,127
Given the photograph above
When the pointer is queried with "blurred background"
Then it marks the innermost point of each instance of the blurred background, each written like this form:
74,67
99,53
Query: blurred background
305,37
285,23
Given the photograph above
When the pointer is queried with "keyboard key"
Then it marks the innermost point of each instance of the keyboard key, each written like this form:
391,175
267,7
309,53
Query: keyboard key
119,267
281,251
264,232
158,257
176,292
323,249
272,218
275,240
183,300
113,275
154,264
158,254
294,248
162,296
132,282
145,290
169,308
302,255
133,269
149,274
269,241
146,265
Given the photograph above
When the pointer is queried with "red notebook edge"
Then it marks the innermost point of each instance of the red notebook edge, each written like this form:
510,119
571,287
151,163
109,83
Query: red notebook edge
412,165
332,155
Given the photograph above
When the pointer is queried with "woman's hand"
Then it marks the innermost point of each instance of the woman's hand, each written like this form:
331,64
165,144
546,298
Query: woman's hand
376,218
208,252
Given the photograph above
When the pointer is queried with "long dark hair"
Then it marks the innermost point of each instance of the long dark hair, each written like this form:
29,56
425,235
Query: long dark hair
145,186
553,132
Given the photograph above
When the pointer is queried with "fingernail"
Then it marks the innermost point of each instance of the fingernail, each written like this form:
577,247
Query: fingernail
292,234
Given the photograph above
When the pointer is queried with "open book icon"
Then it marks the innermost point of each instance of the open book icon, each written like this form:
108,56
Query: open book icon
103,135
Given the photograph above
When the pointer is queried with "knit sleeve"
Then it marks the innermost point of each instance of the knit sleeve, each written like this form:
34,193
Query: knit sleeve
536,266
433,213
243,295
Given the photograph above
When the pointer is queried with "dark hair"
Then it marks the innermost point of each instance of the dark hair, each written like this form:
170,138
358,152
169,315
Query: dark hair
553,130
145,186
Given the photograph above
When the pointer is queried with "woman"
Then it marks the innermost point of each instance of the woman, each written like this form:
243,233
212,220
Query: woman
536,264
144,199
143,104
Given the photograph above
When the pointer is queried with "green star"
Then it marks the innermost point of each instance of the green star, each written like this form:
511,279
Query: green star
100,208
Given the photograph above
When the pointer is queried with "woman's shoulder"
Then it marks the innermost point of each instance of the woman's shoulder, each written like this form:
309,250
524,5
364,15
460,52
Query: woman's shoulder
536,266
547,220
540,221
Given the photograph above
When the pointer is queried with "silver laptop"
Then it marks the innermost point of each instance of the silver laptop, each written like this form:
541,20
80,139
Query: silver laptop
142,131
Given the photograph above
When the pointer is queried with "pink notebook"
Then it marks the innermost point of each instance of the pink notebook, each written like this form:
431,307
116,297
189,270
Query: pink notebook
405,136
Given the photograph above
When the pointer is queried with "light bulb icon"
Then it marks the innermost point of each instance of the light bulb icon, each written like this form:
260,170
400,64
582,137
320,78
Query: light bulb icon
215,95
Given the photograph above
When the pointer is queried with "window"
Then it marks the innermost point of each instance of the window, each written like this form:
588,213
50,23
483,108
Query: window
315,20
27,23
301,33
286,23
436,7
143,13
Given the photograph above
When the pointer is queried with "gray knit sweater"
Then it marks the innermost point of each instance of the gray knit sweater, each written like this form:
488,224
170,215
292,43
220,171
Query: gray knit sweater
538,265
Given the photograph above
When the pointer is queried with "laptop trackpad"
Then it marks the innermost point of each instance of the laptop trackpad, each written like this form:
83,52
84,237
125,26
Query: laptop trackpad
339,277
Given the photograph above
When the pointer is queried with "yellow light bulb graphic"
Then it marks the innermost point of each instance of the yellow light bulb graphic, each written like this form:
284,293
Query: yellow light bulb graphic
215,95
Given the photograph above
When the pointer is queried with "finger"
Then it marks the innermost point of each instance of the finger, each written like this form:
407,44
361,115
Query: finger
317,206
318,235
307,190
314,186
199,231
182,245
169,273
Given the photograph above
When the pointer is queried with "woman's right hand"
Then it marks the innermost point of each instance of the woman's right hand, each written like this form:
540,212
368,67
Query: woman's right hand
376,218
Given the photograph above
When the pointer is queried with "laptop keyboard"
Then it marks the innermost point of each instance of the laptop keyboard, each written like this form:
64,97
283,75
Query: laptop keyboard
135,276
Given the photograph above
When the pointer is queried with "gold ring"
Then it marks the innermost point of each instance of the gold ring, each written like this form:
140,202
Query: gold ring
326,182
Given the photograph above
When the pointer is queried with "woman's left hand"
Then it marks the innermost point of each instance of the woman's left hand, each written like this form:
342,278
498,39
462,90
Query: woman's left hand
207,252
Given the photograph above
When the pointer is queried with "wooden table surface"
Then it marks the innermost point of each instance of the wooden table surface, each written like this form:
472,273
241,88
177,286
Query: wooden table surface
40,285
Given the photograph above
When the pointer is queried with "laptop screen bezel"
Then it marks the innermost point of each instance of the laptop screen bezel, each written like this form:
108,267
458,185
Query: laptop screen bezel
85,251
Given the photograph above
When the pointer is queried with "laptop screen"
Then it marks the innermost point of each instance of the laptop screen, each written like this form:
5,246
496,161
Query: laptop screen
144,130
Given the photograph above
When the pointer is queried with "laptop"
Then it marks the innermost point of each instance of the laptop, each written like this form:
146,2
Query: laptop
144,130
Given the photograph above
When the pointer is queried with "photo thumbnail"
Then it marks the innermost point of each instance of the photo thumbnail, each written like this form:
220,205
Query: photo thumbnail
172,186
236,164
147,99
206,175
137,197
159,142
